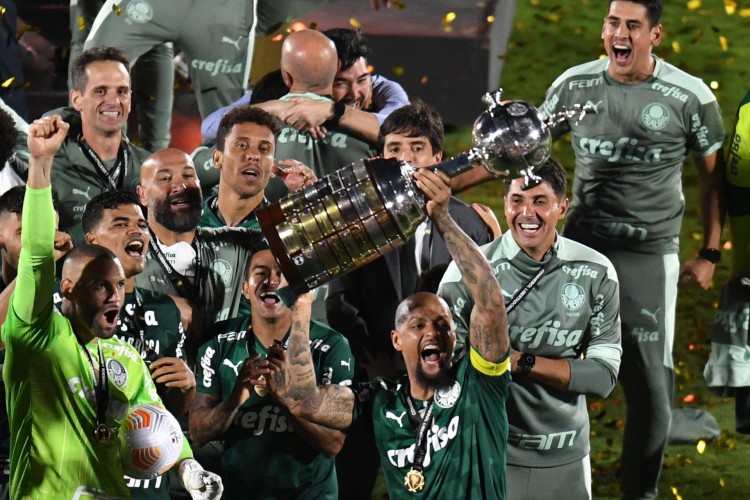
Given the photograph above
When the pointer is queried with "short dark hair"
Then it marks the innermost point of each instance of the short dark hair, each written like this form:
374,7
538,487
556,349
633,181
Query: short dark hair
653,10
94,212
12,200
417,119
553,173
8,137
96,54
245,114
271,86
91,251
350,45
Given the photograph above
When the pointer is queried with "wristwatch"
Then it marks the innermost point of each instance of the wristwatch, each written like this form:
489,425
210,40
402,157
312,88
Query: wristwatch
527,362
712,255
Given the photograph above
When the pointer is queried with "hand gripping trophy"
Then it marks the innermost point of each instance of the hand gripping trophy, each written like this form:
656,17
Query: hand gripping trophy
371,207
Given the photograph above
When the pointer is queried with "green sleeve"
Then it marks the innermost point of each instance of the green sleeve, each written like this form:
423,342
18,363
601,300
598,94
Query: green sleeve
31,302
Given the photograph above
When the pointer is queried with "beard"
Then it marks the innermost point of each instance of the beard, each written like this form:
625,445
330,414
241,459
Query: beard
436,381
184,221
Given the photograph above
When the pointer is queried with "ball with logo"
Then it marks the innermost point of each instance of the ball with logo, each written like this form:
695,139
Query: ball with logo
153,441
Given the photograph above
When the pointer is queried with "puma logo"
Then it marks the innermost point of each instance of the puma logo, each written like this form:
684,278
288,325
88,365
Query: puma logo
745,281
509,294
593,106
83,193
346,363
234,367
235,43
392,416
652,315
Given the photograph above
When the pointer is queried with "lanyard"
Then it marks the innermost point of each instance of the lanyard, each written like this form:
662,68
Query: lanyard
532,282
414,479
214,206
137,323
115,175
102,433
181,283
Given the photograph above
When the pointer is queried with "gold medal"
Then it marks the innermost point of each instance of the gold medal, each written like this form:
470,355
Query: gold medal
414,481
103,433
261,390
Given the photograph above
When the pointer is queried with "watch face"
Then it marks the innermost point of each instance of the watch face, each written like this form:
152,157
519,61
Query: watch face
528,361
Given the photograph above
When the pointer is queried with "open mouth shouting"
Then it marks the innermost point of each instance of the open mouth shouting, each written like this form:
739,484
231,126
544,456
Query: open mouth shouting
269,298
621,54
135,248
432,354
250,173
109,315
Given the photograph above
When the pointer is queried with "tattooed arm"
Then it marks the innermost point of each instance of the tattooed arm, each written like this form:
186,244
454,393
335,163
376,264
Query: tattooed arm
210,416
292,379
488,325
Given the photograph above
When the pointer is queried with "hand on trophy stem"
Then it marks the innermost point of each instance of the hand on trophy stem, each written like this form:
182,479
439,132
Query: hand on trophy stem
436,188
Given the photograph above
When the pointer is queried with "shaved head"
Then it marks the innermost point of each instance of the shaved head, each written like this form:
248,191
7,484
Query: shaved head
412,302
163,157
309,62
78,259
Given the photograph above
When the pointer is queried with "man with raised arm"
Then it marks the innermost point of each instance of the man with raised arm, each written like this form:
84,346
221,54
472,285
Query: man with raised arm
442,429
65,404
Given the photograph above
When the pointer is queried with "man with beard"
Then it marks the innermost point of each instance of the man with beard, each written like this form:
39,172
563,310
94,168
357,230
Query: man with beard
230,406
200,264
441,430
150,321
96,156
564,332
65,407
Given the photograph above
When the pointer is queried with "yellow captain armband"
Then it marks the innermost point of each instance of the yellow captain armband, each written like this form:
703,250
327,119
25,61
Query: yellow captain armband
488,367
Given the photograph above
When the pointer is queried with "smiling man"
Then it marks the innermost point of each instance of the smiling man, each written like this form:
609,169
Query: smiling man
233,405
69,381
628,204
562,302
96,156
441,429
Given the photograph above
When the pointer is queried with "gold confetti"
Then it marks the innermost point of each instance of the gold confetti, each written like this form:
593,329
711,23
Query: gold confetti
676,493
424,79
744,12
298,26
117,9
730,7
554,17
449,18
277,38
370,68
81,23
676,47
714,85
7,83
398,70
724,43
2,12
722,483
727,245
694,4
701,447
355,23
490,19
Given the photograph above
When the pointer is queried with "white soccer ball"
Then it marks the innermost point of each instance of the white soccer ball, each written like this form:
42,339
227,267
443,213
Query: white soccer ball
153,441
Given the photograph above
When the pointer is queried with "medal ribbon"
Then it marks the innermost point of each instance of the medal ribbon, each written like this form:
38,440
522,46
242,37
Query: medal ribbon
137,323
532,282
114,176
420,451
101,390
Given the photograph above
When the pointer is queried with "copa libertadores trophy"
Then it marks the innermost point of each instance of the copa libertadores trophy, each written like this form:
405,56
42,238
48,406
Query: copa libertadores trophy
371,207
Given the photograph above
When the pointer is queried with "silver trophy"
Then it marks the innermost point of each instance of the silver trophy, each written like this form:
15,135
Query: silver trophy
371,207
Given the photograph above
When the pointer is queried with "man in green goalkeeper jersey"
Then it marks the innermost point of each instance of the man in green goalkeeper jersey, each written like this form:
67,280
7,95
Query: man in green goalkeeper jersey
65,410
441,431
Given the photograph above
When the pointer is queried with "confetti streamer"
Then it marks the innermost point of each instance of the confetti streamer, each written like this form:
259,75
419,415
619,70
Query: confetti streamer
724,43
355,23
117,9
7,83
694,4
676,47
81,23
701,447
730,7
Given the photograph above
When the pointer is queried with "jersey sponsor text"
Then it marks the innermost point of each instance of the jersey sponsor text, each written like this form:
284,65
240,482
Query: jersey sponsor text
437,439
543,442
617,149
216,67
534,336
267,418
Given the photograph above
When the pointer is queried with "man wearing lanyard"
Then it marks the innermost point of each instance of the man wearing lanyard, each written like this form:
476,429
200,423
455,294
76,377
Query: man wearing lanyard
441,430
65,408
563,310
231,407
95,156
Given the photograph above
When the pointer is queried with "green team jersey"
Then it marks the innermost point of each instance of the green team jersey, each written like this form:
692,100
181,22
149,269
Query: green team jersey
630,149
212,217
324,156
466,442
75,179
262,453
50,385
223,254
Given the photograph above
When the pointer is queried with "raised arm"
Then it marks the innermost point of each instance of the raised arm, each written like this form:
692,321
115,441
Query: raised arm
292,379
488,325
